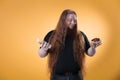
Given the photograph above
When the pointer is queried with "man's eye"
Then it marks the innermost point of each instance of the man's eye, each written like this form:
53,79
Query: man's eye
69,20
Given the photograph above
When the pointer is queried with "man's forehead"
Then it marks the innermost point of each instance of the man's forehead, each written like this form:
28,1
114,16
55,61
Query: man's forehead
72,16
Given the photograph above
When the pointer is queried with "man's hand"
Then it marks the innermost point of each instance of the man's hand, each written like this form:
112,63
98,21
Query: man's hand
95,42
44,48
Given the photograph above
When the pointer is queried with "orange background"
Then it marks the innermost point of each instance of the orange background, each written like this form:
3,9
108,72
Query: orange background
23,21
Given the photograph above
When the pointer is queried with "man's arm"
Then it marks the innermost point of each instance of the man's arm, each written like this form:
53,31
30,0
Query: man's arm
91,51
43,50
94,44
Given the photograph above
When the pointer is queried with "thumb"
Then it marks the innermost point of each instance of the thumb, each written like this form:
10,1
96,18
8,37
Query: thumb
39,41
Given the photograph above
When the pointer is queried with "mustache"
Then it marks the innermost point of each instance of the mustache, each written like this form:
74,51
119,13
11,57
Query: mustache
71,32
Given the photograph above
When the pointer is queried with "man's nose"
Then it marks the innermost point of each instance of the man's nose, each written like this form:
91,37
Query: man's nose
72,22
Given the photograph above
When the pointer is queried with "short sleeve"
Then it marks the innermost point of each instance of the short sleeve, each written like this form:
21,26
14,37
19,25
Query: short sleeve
87,43
46,38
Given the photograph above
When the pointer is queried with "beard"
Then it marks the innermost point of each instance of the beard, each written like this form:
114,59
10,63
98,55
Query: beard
71,32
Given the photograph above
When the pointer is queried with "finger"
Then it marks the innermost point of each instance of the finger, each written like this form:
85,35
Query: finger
98,44
44,45
39,41
49,46
93,44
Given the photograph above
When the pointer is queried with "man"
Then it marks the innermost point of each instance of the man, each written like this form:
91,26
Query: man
66,47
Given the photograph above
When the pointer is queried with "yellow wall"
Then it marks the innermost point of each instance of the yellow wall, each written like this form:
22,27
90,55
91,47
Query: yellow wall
23,21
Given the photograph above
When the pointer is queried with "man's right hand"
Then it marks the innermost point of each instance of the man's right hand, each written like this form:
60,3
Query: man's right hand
44,48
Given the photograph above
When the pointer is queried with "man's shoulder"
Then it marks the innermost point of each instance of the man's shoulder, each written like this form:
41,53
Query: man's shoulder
50,32
82,33
46,38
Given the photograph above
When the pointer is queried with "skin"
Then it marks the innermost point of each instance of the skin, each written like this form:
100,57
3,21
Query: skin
71,20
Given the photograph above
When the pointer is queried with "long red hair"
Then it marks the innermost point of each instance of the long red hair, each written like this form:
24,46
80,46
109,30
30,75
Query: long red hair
57,41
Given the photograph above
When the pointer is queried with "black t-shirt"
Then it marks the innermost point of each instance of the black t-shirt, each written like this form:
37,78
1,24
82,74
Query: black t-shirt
66,61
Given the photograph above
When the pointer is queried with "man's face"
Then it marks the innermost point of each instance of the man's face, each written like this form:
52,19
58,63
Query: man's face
71,20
